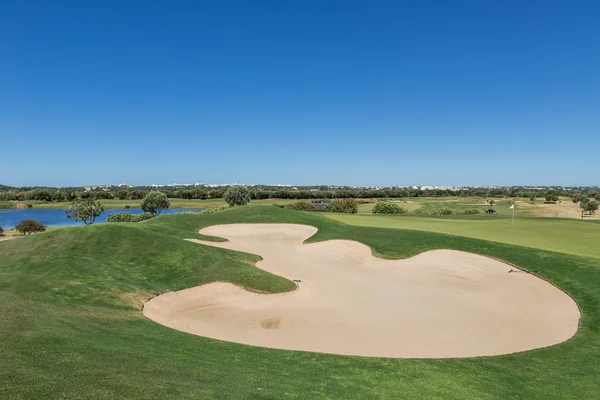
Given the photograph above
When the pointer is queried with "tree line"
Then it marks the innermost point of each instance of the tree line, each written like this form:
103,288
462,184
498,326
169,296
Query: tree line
257,193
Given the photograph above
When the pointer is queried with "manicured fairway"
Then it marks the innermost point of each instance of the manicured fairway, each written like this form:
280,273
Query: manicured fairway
562,235
71,325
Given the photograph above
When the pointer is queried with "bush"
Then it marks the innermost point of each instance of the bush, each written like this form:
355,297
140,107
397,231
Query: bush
29,226
215,210
385,207
447,211
128,217
302,206
349,206
7,204
237,196
1,231
471,211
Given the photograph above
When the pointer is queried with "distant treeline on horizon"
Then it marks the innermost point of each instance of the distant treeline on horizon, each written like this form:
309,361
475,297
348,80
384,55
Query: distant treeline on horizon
50,194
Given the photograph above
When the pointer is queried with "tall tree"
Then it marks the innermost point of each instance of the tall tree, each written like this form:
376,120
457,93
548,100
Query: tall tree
237,196
591,207
155,202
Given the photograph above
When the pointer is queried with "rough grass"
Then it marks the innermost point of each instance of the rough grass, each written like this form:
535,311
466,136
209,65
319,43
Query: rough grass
71,325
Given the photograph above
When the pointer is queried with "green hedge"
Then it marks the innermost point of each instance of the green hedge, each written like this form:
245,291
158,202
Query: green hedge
349,206
448,211
128,217
303,206
385,207
215,209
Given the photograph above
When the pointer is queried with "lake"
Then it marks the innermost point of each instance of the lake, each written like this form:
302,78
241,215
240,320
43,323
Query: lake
53,217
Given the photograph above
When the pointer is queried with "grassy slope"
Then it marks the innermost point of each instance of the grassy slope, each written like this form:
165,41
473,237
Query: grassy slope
70,327
563,235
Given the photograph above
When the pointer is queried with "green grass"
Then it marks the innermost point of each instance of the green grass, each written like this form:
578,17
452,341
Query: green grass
14,232
71,325
562,235
175,203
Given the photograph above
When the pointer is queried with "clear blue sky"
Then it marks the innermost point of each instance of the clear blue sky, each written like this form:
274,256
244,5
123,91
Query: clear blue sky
301,92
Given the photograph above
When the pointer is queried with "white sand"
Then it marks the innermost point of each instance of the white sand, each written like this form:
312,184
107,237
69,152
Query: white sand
441,303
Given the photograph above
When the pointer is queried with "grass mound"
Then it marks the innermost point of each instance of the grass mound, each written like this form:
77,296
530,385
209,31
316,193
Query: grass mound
71,325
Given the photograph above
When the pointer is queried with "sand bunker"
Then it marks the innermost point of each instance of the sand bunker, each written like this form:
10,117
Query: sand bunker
441,303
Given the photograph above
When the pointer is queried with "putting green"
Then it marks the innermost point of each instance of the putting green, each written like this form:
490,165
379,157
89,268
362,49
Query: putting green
562,235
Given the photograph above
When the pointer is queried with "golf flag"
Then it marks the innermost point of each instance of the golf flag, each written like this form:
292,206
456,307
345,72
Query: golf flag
511,207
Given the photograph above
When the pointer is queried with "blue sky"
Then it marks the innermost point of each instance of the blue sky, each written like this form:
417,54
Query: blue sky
301,92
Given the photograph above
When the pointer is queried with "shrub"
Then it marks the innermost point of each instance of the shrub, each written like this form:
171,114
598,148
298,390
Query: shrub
128,217
237,196
7,204
447,211
349,206
29,226
385,207
1,231
127,206
302,206
215,210
155,202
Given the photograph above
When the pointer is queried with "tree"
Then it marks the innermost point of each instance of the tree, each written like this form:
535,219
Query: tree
215,194
1,231
155,202
532,199
491,202
59,196
584,200
121,194
551,197
237,196
86,210
591,207
29,226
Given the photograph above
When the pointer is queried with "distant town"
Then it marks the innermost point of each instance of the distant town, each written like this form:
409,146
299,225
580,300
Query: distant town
330,187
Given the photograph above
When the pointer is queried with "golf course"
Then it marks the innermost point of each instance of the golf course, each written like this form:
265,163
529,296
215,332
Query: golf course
74,323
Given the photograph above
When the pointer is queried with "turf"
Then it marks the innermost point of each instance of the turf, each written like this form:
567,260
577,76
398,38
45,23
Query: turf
71,325
563,235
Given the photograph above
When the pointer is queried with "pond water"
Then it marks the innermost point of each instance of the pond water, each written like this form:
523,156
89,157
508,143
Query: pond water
53,217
